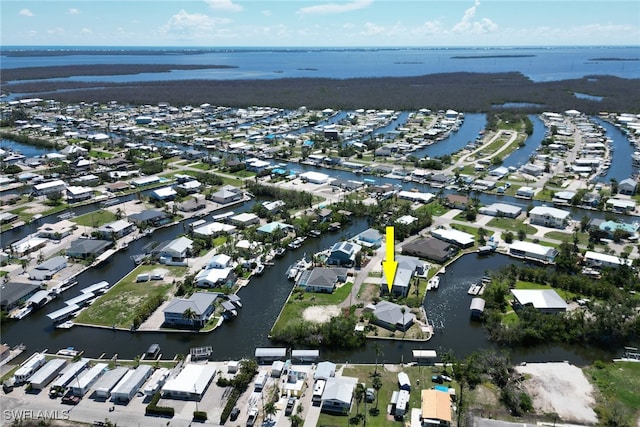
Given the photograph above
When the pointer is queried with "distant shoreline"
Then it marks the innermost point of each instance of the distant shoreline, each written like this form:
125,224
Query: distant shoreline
468,92
507,56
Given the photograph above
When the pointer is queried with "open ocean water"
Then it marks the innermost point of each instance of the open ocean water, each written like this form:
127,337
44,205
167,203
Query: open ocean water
537,63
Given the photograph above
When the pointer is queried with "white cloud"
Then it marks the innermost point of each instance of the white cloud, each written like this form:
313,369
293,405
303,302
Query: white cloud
26,12
227,5
266,12
331,8
73,11
191,23
468,25
56,31
429,28
86,31
371,29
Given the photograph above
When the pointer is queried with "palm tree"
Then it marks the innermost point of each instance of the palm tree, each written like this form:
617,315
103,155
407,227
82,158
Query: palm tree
190,315
270,409
359,395
376,383
377,349
296,421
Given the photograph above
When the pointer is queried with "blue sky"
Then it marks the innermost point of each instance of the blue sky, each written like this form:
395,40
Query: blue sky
423,23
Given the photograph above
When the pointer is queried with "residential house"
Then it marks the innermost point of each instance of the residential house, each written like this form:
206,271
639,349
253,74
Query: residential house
77,193
87,248
456,201
549,217
408,266
543,300
324,215
245,219
501,210
58,230
116,229
273,226
598,260
430,248
525,192
391,316
190,187
151,218
213,229
217,272
191,312
13,294
370,238
533,251
627,186
532,169
563,198
164,193
224,196
192,205
322,279
338,395
343,253
621,205
174,252
460,238
435,408
49,187
48,269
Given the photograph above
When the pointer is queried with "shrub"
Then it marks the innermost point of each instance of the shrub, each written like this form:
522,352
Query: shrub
199,416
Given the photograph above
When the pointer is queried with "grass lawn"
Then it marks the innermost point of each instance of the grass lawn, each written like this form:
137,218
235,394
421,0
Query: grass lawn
292,310
95,219
100,154
583,238
117,306
434,209
619,382
201,166
512,225
420,377
566,295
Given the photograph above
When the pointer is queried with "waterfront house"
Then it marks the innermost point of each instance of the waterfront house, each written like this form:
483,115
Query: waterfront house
435,408
456,201
55,186
597,260
47,269
324,371
164,193
322,279
116,229
190,187
324,215
627,186
338,395
174,252
226,195
501,210
217,272
145,180
408,267
525,192
245,219
27,245
430,248
314,177
549,217
459,238
87,248
369,238
57,230
153,218
543,300
563,198
391,316
532,169
613,228
533,251
201,305
343,253
272,227
13,294
274,206
78,193
192,205
213,229
621,205
7,217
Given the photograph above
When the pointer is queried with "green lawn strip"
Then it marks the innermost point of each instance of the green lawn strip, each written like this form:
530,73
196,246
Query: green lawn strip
292,310
117,307
100,154
434,209
201,166
95,219
583,238
512,225
618,382
420,377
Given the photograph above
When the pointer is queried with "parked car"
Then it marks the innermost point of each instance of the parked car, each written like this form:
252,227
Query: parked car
437,379
253,416
70,399
234,414
290,405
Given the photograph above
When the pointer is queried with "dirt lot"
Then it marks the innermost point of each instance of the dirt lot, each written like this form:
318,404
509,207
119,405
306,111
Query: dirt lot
561,388
320,314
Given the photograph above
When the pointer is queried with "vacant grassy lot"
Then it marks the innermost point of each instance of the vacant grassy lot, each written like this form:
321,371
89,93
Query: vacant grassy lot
298,302
117,307
420,377
95,219
617,382
512,225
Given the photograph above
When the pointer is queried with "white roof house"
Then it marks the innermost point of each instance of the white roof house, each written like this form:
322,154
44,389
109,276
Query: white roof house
501,210
314,177
533,251
457,237
219,261
213,229
546,300
596,259
338,394
549,216
245,219
177,248
213,277
87,379
163,193
621,205
129,385
190,383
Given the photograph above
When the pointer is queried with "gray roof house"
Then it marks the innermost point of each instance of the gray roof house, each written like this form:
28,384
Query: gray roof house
173,251
324,371
322,279
430,248
86,248
370,238
627,186
343,253
116,229
201,304
390,316
47,269
338,394
150,217
408,266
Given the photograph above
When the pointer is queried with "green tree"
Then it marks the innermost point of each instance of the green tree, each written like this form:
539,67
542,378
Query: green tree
270,409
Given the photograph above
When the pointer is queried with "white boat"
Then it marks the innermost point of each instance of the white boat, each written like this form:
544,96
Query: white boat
65,325
474,289
259,269
433,283
23,312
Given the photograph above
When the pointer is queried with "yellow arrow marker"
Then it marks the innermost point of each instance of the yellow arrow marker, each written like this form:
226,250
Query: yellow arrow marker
389,266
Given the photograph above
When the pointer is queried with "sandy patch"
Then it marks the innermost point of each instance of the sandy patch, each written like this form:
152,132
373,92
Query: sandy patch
561,388
320,313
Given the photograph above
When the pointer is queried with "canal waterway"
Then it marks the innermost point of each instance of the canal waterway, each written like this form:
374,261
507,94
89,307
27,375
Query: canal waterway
621,163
